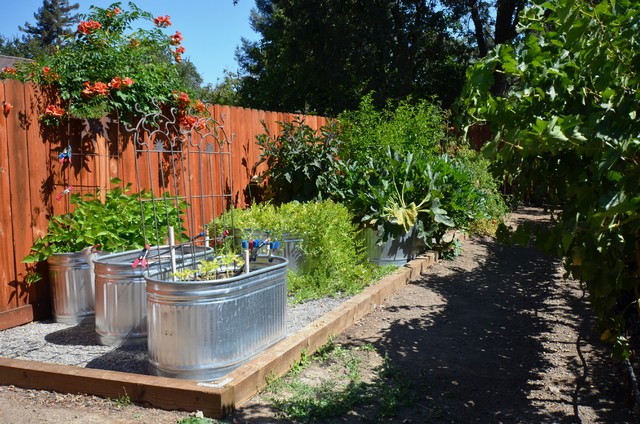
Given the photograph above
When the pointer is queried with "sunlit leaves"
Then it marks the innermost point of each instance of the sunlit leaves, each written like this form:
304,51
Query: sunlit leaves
569,129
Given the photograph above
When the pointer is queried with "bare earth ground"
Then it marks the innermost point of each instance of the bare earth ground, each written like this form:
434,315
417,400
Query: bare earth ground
497,335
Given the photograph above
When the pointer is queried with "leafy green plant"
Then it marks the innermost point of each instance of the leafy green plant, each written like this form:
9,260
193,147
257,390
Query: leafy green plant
569,126
223,266
115,224
469,192
197,419
395,194
400,168
108,66
334,263
301,164
123,401
406,126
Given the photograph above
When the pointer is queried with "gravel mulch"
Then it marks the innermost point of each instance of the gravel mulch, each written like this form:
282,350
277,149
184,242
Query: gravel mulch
77,345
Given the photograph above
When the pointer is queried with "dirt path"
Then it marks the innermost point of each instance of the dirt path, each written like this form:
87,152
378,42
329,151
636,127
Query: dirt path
494,336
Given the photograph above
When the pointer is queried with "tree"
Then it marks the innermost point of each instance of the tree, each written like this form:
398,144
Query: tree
53,22
19,47
188,72
570,125
325,62
224,92
486,25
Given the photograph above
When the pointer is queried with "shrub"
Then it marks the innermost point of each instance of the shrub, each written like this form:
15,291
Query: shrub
302,164
335,264
400,152
469,191
405,127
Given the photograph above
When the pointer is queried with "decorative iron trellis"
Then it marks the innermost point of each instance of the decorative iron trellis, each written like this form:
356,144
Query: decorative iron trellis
184,172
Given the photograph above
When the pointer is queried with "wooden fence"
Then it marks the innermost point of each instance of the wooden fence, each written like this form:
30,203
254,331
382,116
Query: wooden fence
31,176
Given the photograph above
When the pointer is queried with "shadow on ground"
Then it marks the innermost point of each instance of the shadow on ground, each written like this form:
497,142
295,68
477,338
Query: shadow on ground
479,356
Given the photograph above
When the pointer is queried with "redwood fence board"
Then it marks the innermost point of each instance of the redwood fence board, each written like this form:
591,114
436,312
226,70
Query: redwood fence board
19,183
31,176
8,280
38,158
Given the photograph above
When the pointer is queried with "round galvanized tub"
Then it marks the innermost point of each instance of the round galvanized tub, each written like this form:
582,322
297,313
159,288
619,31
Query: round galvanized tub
395,251
290,247
201,330
121,297
72,287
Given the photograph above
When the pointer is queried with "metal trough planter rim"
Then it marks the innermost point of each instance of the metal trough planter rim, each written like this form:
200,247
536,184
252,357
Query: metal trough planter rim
108,258
283,262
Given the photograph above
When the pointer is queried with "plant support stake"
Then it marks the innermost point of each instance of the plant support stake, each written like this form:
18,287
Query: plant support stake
245,247
172,250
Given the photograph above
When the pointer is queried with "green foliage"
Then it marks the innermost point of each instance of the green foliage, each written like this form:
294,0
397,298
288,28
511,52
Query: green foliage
395,175
225,92
108,66
302,165
395,193
406,127
116,225
52,23
122,401
570,126
197,420
222,266
325,62
469,191
334,264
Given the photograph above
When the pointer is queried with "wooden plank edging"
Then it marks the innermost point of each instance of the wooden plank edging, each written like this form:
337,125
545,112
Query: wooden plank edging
218,398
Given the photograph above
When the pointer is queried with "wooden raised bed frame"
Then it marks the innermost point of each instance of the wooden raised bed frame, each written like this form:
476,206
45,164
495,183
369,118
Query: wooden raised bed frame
218,398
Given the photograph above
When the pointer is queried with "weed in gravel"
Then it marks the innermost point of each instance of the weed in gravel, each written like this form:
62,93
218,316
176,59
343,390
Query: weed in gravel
122,401
393,389
197,420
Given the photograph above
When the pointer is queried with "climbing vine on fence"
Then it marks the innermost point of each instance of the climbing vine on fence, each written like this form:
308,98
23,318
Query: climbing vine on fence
571,124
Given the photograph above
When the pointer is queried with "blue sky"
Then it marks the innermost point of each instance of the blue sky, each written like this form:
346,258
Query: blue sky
212,29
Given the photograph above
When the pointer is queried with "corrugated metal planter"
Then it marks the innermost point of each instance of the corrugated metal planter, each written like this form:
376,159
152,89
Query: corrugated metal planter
72,287
290,247
121,297
395,251
201,330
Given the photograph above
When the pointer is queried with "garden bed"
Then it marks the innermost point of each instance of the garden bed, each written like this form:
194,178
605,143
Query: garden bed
115,372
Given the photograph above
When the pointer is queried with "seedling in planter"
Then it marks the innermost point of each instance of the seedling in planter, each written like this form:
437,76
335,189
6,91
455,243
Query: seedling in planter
225,266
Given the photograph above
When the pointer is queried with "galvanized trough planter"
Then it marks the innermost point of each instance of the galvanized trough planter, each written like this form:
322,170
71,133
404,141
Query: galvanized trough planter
395,251
121,297
72,287
201,330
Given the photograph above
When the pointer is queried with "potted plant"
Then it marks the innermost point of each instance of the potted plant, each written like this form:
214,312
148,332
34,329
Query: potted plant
72,241
208,317
263,223
319,236
397,205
